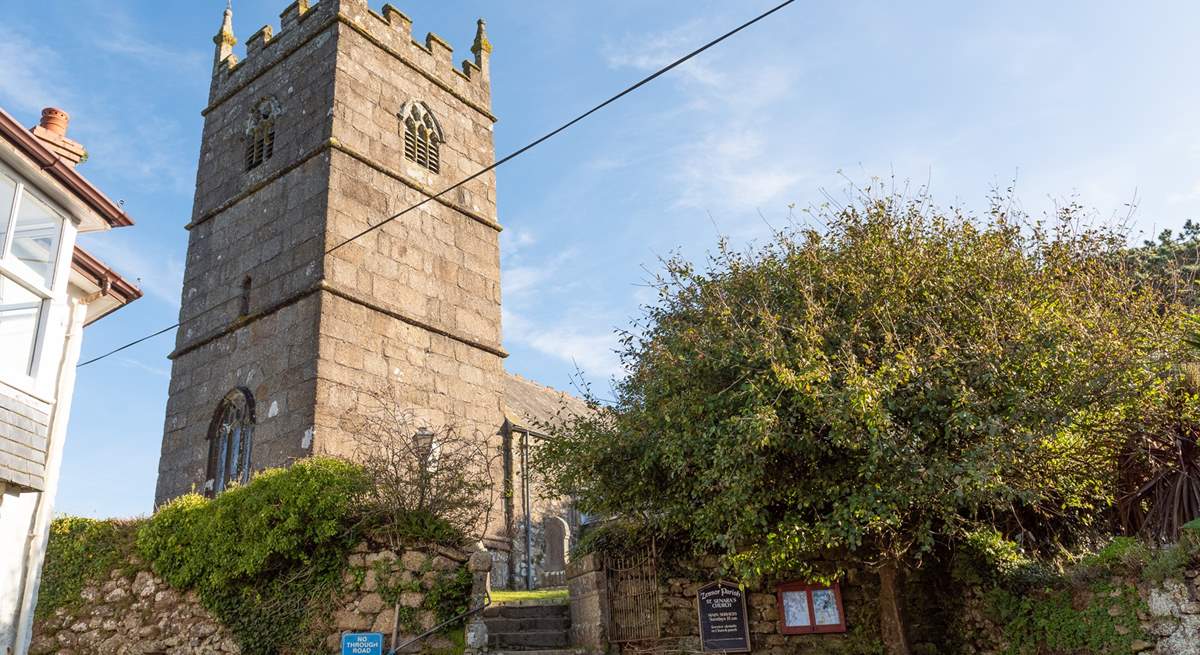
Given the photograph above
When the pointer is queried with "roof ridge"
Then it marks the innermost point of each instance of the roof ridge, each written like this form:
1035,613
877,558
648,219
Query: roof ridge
535,383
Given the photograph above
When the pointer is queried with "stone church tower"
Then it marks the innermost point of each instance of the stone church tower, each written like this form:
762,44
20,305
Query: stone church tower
335,123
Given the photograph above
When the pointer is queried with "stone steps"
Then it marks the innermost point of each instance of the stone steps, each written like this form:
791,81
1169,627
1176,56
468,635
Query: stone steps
512,611
539,624
529,640
529,629
559,651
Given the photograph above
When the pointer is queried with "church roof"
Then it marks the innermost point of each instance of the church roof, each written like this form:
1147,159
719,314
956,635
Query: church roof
530,405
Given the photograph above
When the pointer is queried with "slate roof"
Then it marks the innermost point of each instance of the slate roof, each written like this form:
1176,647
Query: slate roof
531,405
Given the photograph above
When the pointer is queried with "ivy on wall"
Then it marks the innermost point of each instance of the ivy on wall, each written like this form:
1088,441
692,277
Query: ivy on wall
80,550
269,559
1091,604
265,557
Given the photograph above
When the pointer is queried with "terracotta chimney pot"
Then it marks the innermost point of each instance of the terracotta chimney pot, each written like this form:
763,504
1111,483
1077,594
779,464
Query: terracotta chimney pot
52,131
55,120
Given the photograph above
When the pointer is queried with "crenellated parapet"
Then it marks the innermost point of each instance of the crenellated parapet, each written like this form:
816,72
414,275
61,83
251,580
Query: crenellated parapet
390,29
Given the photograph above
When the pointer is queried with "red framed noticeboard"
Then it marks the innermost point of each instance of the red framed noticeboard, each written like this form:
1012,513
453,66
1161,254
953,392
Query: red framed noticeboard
808,608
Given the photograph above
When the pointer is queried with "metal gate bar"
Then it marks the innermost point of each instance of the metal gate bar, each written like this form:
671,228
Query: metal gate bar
633,595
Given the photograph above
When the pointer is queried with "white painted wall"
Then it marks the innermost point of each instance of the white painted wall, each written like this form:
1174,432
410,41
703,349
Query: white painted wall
16,517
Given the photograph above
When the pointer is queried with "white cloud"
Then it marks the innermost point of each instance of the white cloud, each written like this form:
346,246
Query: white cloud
574,339
514,239
524,275
126,43
651,52
115,138
742,153
26,85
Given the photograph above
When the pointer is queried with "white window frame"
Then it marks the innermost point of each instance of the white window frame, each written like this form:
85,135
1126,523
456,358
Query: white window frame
18,272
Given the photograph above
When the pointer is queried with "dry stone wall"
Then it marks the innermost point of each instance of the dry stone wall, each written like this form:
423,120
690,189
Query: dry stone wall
135,612
678,620
1169,618
139,614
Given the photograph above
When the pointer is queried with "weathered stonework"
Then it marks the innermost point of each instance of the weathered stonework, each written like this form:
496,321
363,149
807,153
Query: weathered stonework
129,615
140,614
279,303
1170,621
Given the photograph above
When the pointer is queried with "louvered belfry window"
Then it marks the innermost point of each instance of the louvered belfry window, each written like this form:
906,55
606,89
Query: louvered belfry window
260,133
422,137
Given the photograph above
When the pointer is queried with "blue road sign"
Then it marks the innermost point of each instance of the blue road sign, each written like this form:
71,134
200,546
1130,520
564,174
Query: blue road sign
362,643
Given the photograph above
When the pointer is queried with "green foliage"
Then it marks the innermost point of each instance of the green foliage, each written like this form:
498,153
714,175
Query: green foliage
262,556
407,619
1051,622
450,594
902,377
1123,552
1170,264
985,556
458,643
423,527
1167,562
447,595
80,551
614,536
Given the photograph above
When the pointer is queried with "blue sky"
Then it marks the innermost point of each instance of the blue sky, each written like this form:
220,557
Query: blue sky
1094,101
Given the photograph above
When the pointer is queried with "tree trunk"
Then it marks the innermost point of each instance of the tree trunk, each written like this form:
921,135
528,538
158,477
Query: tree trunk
891,610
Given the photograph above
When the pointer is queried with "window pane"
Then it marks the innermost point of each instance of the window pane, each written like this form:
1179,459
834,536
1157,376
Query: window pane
795,609
825,607
19,314
35,239
8,189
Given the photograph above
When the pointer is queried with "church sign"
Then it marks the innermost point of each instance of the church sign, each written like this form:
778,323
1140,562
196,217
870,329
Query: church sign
723,621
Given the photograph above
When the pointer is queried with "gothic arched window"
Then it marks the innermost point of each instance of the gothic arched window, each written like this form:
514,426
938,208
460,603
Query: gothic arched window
260,132
422,136
229,441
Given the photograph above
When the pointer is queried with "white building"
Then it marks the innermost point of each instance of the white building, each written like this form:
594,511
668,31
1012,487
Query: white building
49,290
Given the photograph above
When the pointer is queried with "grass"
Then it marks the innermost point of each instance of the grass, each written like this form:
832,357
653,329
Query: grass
537,595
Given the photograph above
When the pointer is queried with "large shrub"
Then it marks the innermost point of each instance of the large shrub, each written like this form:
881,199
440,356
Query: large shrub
901,376
263,556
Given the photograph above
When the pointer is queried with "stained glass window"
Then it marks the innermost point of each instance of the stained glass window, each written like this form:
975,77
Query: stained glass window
230,442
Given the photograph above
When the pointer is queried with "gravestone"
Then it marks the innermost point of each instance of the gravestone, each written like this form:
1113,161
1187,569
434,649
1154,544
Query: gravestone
554,558
723,622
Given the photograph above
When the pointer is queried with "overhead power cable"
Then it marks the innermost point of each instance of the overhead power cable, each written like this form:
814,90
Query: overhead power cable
128,345
507,158
565,126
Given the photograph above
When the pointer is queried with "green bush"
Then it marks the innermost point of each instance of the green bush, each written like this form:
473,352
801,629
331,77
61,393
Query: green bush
80,551
1050,622
1121,552
422,527
611,536
262,556
450,594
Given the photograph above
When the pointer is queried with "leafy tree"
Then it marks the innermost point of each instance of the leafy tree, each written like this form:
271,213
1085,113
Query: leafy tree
1170,263
901,378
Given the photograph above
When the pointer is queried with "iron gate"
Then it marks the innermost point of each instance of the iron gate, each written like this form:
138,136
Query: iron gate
632,595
